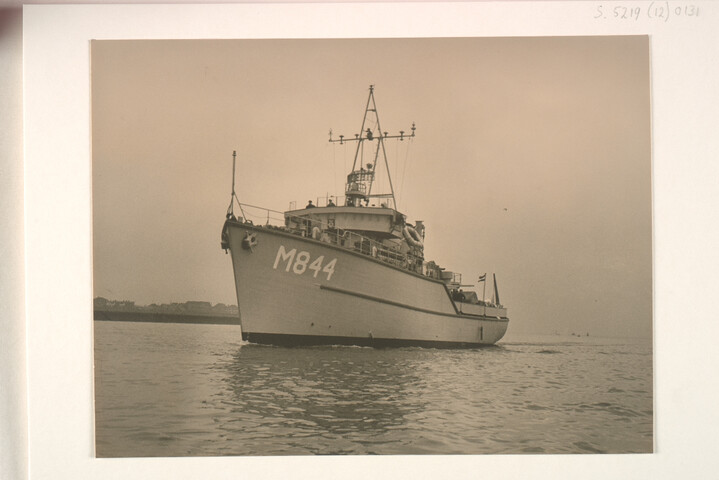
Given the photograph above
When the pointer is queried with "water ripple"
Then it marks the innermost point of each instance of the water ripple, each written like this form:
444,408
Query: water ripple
174,390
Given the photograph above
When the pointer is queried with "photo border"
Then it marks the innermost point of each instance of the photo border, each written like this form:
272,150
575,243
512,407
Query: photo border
58,221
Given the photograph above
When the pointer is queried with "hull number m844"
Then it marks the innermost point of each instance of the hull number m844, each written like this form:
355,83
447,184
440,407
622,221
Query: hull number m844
299,262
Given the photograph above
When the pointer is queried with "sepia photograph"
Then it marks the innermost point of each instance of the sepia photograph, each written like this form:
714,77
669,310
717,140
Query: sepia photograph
372,246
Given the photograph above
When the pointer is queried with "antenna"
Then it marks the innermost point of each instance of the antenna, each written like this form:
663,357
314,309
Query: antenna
359,182
233,197
234,159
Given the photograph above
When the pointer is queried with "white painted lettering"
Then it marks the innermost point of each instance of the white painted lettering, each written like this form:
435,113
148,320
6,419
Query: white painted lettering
285,256
330,268
299,262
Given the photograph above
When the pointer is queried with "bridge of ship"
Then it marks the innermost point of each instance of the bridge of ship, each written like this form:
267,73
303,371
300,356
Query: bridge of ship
375,231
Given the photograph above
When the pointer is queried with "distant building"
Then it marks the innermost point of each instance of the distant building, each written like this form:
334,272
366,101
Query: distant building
190,307
101,303
198,307
222,309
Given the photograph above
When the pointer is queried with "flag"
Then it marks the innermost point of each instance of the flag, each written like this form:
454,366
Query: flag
482,278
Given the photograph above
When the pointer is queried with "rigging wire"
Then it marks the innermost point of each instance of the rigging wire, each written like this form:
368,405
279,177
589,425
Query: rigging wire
396,165
406,160
334,166
233,197
344,161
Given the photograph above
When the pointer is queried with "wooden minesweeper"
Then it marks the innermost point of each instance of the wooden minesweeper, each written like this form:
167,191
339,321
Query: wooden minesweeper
352,272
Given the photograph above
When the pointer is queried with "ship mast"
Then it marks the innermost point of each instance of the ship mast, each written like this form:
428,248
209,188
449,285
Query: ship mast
360,180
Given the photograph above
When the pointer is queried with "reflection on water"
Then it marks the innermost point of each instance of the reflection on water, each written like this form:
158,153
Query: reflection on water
318,388
174,390
344,394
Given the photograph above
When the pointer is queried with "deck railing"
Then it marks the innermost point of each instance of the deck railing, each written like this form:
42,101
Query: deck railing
349,240
340,200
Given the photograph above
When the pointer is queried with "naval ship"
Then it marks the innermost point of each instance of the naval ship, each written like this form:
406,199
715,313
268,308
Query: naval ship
352,272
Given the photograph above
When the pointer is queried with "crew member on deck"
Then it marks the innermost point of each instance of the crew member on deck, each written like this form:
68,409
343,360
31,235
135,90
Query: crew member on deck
458,295
330,203
309,205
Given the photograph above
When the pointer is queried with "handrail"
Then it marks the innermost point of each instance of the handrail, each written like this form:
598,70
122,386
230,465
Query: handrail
349,240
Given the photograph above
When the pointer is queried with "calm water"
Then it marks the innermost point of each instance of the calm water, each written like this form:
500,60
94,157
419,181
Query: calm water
178,390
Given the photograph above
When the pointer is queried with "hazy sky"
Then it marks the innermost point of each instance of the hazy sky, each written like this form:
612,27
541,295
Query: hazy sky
532,160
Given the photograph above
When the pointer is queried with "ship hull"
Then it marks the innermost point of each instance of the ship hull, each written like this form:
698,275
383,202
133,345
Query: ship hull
293,290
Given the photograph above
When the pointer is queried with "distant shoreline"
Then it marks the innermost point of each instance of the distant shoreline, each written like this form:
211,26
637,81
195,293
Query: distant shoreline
159,317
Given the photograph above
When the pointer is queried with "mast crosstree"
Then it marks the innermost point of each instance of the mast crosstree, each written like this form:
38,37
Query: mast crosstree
361,179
